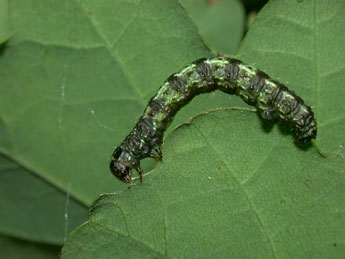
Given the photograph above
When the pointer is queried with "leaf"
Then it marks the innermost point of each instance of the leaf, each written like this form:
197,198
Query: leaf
35,210
220,23
82,75
225,188
77,74
301,43
16,248
5,24
74,78
229,184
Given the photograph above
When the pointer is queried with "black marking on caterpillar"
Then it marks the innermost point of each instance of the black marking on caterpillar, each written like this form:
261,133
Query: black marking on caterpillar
271,98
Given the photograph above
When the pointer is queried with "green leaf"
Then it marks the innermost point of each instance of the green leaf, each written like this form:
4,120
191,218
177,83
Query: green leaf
230,184
5,24
221,23
72,86
35,210
225,188
16,248
82,75
301,43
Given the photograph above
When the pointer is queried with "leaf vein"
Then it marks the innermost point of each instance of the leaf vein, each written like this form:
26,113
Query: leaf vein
243,190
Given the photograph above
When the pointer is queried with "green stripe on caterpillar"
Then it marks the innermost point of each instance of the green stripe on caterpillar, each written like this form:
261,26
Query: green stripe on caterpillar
272,99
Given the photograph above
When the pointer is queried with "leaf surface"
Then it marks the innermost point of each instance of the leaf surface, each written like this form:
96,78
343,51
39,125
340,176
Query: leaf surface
301,43
74,79
220,23
74,84
82,76
5,24
35,210
16,248
231,184
224,189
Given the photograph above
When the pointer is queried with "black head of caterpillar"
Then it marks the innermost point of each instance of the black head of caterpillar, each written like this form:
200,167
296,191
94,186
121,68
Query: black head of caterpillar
272,99
123,162
120,169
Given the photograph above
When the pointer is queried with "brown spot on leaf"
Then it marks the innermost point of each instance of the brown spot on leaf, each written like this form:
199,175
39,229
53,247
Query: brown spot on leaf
308,182
211,2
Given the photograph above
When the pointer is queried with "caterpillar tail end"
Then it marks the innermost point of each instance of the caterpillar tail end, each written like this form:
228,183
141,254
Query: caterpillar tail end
307,133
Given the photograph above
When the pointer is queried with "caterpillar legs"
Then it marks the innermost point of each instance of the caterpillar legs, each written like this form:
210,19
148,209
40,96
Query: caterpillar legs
158,156
140,172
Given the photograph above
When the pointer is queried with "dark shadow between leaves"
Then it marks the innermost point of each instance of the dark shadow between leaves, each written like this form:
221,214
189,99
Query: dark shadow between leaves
2,48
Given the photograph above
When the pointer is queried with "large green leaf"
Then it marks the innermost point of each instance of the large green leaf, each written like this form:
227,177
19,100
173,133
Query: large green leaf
82,74
35,210
16,248
230,185
74,78
77,75
225,189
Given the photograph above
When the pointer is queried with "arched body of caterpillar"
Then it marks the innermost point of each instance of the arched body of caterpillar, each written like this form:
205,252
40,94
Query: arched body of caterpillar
271,99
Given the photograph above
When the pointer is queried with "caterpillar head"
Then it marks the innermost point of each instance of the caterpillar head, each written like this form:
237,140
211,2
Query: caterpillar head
120,166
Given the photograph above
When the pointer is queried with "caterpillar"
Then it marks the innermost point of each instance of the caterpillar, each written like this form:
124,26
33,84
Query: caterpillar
272,99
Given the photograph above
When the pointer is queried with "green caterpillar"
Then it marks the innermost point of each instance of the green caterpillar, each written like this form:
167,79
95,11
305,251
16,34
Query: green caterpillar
271,99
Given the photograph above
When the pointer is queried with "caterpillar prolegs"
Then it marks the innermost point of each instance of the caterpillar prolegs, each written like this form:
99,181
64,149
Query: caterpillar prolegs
271,99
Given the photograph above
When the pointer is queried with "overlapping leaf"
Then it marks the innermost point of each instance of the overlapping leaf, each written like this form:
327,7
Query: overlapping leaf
33,209
230,185
74,78
225,189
